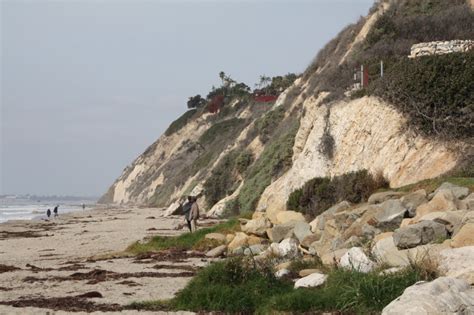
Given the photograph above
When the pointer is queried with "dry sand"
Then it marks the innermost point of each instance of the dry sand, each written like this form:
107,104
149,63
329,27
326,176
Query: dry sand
78,253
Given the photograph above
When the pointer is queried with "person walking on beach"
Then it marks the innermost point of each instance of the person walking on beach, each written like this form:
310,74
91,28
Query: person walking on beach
48,213
83,207
55,211
194,214
187,212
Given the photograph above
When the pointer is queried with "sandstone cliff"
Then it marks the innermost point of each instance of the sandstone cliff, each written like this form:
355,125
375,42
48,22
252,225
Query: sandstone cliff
373,132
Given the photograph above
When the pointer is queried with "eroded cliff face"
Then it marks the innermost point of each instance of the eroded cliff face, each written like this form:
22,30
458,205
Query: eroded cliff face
368,134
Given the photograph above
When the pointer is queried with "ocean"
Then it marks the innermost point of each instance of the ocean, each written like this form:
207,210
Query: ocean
26,209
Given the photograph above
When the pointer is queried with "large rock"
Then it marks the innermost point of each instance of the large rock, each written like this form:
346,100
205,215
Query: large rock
302,230
384,196
385,252
390,215
216,236
306,272
413,201
465,236
283,217
443,200
333,258
356,259
457,263
310,239
318,223
287,248
418,234
281,231
458,191
241,239
451,219
255,249
256,226
311,281
442,296
174,209
216,252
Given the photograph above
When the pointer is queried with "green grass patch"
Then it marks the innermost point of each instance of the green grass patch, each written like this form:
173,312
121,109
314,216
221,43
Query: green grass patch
243,285
185,241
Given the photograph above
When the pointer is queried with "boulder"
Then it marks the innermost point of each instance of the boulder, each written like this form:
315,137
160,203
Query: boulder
418,234
241,239
390,215
457,263
302,230
458,191
282,272
451,219
281,231
413,201
306,272
465,236
283,265
216,236
256,226
319,221
256,249
216,252
444,200
229,238
356,259
287,248
283,217
173,209
311,281
468,202
384,196
442,296
385,252
310,239
333,258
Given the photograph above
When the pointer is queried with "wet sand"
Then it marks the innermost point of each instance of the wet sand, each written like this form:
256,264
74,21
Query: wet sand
76,263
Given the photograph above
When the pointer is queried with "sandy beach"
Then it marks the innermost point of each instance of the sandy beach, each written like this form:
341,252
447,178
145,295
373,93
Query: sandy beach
46,265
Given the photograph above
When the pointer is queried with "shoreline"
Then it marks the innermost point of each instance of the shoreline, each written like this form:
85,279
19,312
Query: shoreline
60,259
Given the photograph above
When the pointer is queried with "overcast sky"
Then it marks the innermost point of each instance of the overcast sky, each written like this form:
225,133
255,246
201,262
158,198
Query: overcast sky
86,86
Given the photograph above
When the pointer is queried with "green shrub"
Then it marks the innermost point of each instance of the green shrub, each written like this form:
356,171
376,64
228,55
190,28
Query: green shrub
244,160
222,180
229,286
434,92
267,124
275,159
180,122
320,193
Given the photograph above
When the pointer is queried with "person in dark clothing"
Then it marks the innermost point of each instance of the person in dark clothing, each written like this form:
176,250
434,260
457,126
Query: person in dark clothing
48,213
187,212
55,211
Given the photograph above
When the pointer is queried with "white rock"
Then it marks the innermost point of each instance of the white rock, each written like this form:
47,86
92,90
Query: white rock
281,273
441,296
356,259
287,248
457,263
311,281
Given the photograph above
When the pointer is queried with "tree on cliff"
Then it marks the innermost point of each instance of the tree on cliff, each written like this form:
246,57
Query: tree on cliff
196,101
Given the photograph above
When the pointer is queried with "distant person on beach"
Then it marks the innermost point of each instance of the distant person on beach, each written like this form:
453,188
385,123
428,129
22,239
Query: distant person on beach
83,207
187,212
194,214
56,211
48,213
